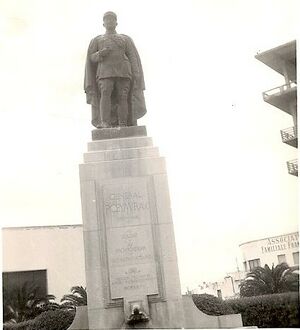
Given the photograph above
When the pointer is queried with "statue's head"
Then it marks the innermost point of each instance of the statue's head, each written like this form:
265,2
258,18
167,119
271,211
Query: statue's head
135,309
110,20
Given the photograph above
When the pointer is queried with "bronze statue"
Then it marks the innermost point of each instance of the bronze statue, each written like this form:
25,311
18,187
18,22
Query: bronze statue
137,316
114,80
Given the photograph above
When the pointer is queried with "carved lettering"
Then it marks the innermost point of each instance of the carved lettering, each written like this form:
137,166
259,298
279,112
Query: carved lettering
125,207
132,267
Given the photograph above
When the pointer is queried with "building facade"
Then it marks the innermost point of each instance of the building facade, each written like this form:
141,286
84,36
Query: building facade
271,251
266,251
282,59
227,288
50,257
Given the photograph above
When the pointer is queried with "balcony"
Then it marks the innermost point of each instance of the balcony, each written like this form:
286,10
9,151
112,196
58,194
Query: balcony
289,136
292,166
281,59
282,96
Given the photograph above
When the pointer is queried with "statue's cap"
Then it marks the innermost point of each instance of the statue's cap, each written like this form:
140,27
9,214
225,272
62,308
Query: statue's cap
110,13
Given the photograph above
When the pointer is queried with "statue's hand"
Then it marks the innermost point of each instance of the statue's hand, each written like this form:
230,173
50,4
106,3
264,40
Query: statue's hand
104,51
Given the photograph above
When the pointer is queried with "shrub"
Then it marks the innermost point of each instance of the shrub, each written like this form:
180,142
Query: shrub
268,311
211,305
26,325
59,319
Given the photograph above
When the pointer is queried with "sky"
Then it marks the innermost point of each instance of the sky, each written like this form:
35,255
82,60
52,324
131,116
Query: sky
225,160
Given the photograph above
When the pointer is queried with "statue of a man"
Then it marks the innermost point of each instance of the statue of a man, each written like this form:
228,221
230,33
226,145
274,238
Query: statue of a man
114,81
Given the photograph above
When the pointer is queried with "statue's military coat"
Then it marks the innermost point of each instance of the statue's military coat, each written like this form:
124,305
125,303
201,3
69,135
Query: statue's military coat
122,61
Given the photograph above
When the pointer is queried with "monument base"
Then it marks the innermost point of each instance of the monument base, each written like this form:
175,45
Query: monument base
118,132
193,318
130,253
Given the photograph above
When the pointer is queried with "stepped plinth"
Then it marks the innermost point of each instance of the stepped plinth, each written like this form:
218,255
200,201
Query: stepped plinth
130,254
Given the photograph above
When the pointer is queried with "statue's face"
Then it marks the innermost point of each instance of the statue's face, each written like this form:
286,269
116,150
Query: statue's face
110,22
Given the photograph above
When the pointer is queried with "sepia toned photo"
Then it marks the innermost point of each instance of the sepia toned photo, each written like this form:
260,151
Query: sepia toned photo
149,173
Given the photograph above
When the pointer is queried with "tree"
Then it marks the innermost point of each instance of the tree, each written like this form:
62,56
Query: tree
23,303
78,297
266,280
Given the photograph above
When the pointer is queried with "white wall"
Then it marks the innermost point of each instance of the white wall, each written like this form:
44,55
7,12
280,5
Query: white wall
57,249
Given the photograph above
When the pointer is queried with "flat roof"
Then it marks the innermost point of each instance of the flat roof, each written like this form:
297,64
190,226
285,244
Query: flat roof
273,57
43,227
262,239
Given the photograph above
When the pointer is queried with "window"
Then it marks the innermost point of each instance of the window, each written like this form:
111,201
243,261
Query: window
219,294
245,266
281,258
254,263
36,278
296,258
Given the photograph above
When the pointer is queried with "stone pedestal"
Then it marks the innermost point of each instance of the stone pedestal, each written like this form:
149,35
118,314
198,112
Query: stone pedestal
130,253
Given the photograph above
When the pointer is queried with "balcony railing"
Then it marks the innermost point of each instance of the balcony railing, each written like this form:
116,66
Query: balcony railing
292,166
289,136
279,90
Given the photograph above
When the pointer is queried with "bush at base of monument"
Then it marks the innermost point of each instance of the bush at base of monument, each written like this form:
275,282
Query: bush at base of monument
53,320
211,305
26,325
59,319
268,311
50,320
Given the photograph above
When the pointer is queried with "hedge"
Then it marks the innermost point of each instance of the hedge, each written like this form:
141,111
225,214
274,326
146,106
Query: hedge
268,311
58,319
211,305
26,325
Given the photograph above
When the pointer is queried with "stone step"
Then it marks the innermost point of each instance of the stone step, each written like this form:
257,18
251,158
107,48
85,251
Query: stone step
118,132
118,154
123,143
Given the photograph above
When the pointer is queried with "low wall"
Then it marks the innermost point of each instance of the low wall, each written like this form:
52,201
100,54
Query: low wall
195,319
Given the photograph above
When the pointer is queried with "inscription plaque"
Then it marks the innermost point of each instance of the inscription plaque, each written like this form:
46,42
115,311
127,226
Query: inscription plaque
129,236
126,203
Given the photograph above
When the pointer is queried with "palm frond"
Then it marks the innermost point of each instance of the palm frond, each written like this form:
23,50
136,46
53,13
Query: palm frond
266,280
78,297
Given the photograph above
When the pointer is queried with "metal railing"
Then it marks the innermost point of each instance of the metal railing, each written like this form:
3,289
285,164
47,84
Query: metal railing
279,90
292,166
288,134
